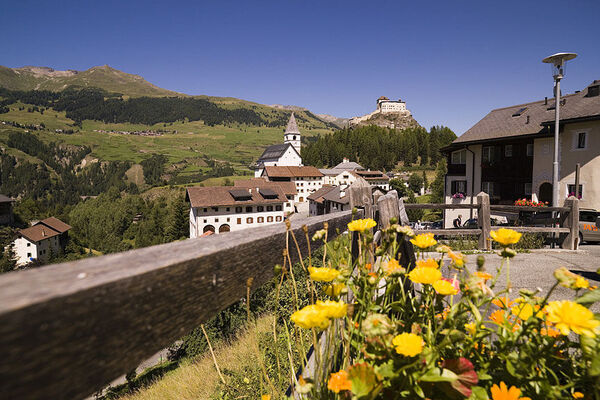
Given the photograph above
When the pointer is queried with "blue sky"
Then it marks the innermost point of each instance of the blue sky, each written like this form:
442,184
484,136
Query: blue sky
451,61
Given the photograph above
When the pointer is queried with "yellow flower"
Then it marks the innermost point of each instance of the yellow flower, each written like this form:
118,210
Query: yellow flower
323,274
458,258
425,275
393,267
503,302
361,225
483,275
332,309
471,327
265,397
504,393
428,263
334,289
311,316
424,240
339,381
569,316
444,288
408,344
581,283
522,311
577,395
505,237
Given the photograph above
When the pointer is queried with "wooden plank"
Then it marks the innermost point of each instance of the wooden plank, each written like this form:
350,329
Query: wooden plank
67,330
483,220
450,232
425,206
537,229
525,208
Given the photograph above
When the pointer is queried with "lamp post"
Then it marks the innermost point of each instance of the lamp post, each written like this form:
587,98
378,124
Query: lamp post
558,62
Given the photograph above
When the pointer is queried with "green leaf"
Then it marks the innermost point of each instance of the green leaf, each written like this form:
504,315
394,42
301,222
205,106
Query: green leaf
594,367
590,297
483,376
478,393
363,379
435,376
385,370
510,368
419,391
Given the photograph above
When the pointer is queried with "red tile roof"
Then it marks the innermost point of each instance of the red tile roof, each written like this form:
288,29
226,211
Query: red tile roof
55,224
292,172
289,188
215,196
38,232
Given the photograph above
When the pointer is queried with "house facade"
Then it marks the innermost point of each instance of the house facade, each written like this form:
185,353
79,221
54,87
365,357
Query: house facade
288,188
220,209
307,180
37,243
509,154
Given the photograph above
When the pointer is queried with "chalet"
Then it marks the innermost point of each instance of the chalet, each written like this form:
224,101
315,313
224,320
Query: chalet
327,200
375,178
43,239
509,153
288,188
285,154
306,179
340,174
224,208
6,211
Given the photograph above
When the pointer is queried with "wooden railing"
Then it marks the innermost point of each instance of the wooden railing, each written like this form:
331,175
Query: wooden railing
67,330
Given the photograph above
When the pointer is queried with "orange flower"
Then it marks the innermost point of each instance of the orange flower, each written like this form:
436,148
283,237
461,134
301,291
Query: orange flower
504,393
549,332
483,275
393,267
457,258
497,317
339,381
502,302
429,263
578,395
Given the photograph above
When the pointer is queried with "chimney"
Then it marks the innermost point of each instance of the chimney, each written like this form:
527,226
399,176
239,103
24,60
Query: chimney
545,101
527,120
43,232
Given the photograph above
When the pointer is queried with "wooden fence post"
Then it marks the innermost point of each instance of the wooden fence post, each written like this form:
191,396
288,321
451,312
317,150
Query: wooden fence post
361,195
483,220
388,208
571,220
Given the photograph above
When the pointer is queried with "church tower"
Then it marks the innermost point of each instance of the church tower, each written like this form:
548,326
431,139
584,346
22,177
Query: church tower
292,134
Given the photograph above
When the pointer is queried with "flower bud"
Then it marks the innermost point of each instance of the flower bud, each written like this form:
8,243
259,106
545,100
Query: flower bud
393,220
372,280
480,262
277,269
508,252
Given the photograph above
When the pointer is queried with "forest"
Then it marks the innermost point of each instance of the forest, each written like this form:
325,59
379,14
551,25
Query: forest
379,148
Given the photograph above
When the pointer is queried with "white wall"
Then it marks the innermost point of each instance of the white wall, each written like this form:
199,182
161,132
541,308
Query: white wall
25,249
305,186
223,216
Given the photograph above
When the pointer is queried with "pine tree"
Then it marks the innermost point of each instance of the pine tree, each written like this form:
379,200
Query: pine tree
437,187
8,261
177,227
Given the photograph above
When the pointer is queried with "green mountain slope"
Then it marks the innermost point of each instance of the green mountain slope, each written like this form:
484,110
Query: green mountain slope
104,77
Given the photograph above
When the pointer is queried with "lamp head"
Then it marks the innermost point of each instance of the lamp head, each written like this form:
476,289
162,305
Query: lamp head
558,62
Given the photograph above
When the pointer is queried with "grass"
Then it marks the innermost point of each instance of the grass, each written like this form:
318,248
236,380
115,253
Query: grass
199,379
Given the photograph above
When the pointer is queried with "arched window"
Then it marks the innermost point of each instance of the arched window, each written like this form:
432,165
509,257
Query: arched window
269,219
249,220
260,220
208,228
278,218
224,228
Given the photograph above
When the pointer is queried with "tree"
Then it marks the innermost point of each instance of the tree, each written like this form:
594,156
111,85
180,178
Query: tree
399,186
8,261
178,226
437,187
415,182
413,215
425,183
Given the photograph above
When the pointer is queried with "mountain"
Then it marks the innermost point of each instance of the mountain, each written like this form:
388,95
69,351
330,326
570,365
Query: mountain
338,121
103,77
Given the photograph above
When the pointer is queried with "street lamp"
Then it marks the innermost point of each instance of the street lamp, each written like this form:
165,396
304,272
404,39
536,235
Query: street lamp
558,62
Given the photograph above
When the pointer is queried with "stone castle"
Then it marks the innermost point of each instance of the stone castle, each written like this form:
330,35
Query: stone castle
392,109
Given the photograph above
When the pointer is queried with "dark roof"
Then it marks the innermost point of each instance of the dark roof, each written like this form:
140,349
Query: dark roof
214,196
38,232
349,166
55,224
289,188
371,175
5,199
291,172
292,126
318,195
274,152
334,196
530,117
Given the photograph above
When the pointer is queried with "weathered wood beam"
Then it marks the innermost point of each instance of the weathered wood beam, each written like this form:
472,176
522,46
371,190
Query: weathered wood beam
67,330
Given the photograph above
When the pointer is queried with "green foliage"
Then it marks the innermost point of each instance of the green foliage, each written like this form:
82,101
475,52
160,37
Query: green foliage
437,186
413,215
154,167
377,148
399,186
415,182
8,261
425,183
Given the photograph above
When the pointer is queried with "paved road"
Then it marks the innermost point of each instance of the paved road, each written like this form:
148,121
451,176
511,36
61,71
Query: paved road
535,270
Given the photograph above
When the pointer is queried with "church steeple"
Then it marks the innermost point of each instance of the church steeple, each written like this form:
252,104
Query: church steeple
292,133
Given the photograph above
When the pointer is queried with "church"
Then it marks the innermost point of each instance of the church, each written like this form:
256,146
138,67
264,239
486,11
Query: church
286,154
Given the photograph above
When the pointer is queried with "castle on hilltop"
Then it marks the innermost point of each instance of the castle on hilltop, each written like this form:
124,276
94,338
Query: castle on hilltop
386,107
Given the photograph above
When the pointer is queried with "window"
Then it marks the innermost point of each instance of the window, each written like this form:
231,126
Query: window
28,254
260,219
588,216
227,219
227,209
459,157
28,244
260,209
249,220
528,189
529,149
508,150
238,209
216,219
269,208
215,209
288,204
269,219
205,209
278,218
581,140
571,190
239,221
277,208
489,188
249,209
488,155
458,187
205,221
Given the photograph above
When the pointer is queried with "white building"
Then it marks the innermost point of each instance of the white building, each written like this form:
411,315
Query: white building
224,208
286,154
306,179
385,105
38,242
288,188
340,174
